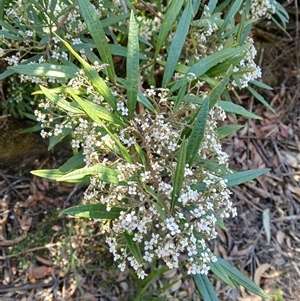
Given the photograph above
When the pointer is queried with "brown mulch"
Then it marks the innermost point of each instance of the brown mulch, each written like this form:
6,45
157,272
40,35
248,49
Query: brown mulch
263,241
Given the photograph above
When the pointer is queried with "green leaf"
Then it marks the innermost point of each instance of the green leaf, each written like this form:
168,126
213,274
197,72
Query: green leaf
234,274
6,73
74,162
218,270
132,66
46,70
97,112
261,99
93,114
177,43
103,173
94,77
207,63
92,211
229,17
114,19
217,91
10,36
168,22
230,107
50,174
197,134
180,96
60,102
244,176
205,288
227,130
132,247
142,99
221,69
260,84
179,174
94,25
53,140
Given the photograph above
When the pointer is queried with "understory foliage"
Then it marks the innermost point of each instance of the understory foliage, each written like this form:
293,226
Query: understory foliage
140,90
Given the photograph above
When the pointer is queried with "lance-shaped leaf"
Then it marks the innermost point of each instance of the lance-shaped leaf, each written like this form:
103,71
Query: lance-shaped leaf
95,27
94,77
103,173
244,176
218,270
97,112
207,63
230,107
261,99
227,130
167,23
217,91
132,66
235,275
205,288
74,162
131,244
50,174
46,70
197,133
92,211
177,43
179,174
60,102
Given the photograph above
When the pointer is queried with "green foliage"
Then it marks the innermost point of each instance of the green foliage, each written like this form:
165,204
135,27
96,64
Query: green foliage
146,139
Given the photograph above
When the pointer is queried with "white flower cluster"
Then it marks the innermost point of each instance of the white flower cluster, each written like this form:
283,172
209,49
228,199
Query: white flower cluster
262,8
145,188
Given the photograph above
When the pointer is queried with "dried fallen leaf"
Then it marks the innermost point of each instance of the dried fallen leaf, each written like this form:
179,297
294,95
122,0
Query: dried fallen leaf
259,272
266,223
280,237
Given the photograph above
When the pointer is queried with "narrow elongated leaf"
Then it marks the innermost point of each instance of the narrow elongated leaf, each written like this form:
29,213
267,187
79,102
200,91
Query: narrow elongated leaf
46,70
266,223
10,36
261,99
142,99
244,176
6,73
50,174
221,69
94,116
229,17
237,276
114,19
230,107
260,84
167,23
94,25
104,173
177,43
207,63
132,247
97,112
92,211
217,91
94,77
179,174
205,288
218,270
74,162
227,130
59,101
53,140
132,66
197,134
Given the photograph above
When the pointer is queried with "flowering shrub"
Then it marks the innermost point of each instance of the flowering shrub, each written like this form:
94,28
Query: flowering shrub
147,142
